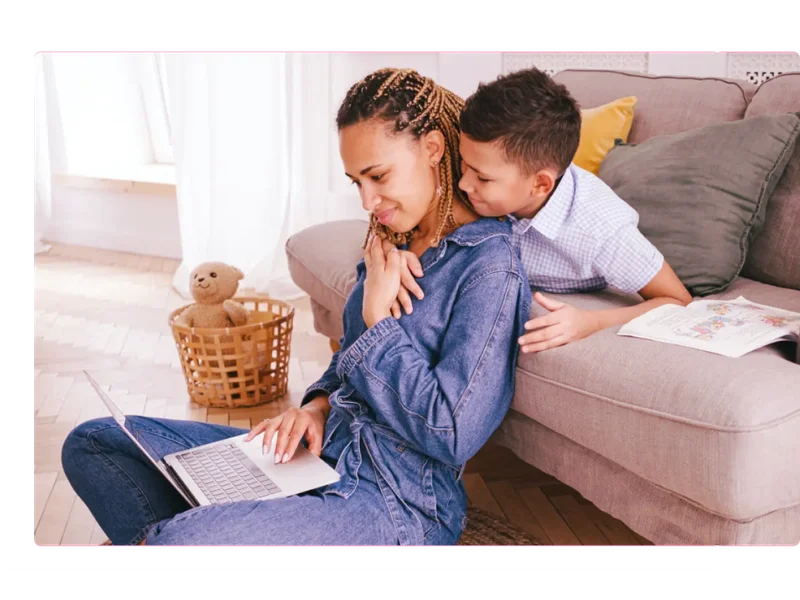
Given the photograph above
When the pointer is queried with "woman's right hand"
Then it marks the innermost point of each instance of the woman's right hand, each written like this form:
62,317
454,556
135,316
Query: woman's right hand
292,426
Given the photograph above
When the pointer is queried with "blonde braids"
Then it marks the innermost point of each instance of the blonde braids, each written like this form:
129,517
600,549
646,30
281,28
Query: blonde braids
417,104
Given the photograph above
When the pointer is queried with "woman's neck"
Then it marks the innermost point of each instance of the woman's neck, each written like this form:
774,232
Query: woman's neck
428,227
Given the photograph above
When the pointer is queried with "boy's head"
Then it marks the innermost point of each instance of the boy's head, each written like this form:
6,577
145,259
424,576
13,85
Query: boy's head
519,134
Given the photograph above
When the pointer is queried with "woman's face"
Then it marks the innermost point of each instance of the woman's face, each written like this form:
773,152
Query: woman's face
393,172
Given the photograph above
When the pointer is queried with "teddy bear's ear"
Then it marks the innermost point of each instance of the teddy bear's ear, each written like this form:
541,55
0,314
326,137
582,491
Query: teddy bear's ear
238,273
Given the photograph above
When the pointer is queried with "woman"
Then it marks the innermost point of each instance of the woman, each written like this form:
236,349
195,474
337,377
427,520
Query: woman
404,403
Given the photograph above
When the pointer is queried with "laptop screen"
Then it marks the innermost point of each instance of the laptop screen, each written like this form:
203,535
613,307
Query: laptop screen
119,417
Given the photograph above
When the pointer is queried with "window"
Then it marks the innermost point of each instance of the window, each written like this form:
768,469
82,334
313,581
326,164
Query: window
114,115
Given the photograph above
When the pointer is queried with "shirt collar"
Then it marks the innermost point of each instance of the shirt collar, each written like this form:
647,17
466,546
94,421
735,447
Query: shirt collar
551,217
478,231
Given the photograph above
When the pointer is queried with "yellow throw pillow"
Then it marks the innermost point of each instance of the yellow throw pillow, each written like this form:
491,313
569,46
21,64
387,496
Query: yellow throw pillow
600,126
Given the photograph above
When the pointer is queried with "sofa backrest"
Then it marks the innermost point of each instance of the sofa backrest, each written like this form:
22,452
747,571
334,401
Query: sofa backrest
670,104
666,104
774,256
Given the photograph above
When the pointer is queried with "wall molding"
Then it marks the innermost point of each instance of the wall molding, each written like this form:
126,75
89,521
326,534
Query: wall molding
117,185
553,62
758,67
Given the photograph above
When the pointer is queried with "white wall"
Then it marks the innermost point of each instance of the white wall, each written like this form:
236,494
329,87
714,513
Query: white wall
688,64
121,221
149,224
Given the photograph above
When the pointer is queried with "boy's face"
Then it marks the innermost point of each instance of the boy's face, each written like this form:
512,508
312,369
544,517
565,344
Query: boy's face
495,186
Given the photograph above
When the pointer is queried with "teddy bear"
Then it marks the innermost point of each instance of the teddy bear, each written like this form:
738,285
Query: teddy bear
213,284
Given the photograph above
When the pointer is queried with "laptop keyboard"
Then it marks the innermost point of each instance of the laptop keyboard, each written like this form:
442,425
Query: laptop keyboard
225,474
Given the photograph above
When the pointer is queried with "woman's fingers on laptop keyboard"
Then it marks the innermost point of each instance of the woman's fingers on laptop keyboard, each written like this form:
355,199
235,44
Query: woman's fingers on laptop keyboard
308,423
269,432
256,430
262,426
268,428
284,429
291,427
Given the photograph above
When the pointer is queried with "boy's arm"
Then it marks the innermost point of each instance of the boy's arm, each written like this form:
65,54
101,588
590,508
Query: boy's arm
627,262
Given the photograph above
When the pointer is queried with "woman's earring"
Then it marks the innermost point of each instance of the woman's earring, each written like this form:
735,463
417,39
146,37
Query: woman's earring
438,182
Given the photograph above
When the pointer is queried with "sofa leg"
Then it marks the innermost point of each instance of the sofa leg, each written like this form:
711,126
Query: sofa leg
335,347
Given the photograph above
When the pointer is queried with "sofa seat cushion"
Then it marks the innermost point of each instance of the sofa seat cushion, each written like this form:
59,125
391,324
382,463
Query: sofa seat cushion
322,262
722,432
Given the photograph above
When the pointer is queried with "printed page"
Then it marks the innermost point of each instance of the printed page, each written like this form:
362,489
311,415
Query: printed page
728,327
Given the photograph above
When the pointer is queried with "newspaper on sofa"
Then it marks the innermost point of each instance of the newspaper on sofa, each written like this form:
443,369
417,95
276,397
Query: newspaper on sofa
728,327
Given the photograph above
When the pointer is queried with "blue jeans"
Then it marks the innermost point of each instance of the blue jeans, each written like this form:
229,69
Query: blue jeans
132,501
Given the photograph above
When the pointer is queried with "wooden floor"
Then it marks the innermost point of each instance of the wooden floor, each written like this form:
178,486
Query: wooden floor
107,312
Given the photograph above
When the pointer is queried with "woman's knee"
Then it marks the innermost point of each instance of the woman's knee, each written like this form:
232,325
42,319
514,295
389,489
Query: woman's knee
78,442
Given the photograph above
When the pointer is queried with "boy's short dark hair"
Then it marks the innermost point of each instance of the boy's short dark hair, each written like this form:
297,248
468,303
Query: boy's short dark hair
535,119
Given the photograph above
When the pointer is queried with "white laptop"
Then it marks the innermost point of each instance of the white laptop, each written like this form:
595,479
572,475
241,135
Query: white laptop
232,469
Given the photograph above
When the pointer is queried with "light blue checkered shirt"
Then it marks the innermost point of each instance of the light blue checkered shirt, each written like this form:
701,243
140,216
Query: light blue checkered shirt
585,238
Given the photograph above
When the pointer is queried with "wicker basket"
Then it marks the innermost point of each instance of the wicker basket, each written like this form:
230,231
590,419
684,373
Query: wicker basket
238,367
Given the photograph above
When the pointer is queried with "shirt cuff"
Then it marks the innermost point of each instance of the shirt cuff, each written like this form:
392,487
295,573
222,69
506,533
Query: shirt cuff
648,274
359,350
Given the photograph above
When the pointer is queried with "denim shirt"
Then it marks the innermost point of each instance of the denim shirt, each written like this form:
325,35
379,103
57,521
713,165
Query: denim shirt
422,394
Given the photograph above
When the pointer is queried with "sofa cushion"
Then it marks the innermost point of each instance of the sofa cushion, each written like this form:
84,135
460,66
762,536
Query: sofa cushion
702,194
665,104
775,254
322,262
721,432
328,322
601,126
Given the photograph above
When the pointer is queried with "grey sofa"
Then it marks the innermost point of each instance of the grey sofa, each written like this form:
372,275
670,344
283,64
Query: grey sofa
683,446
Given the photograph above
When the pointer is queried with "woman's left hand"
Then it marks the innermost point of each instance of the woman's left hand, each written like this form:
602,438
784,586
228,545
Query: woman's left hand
382,283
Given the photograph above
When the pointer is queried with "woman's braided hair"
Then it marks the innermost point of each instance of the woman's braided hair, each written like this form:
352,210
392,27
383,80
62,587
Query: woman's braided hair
414,104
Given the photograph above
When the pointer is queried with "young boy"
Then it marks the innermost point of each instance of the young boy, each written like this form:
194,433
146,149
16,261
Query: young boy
518,136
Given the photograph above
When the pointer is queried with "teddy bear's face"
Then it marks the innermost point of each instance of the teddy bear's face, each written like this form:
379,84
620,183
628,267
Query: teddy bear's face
213,283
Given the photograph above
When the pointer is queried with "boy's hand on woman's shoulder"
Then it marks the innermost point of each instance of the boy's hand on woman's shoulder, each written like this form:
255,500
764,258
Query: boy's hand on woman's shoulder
563,324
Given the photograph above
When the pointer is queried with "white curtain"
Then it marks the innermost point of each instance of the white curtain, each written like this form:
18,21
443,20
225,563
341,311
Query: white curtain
250,137
42,184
